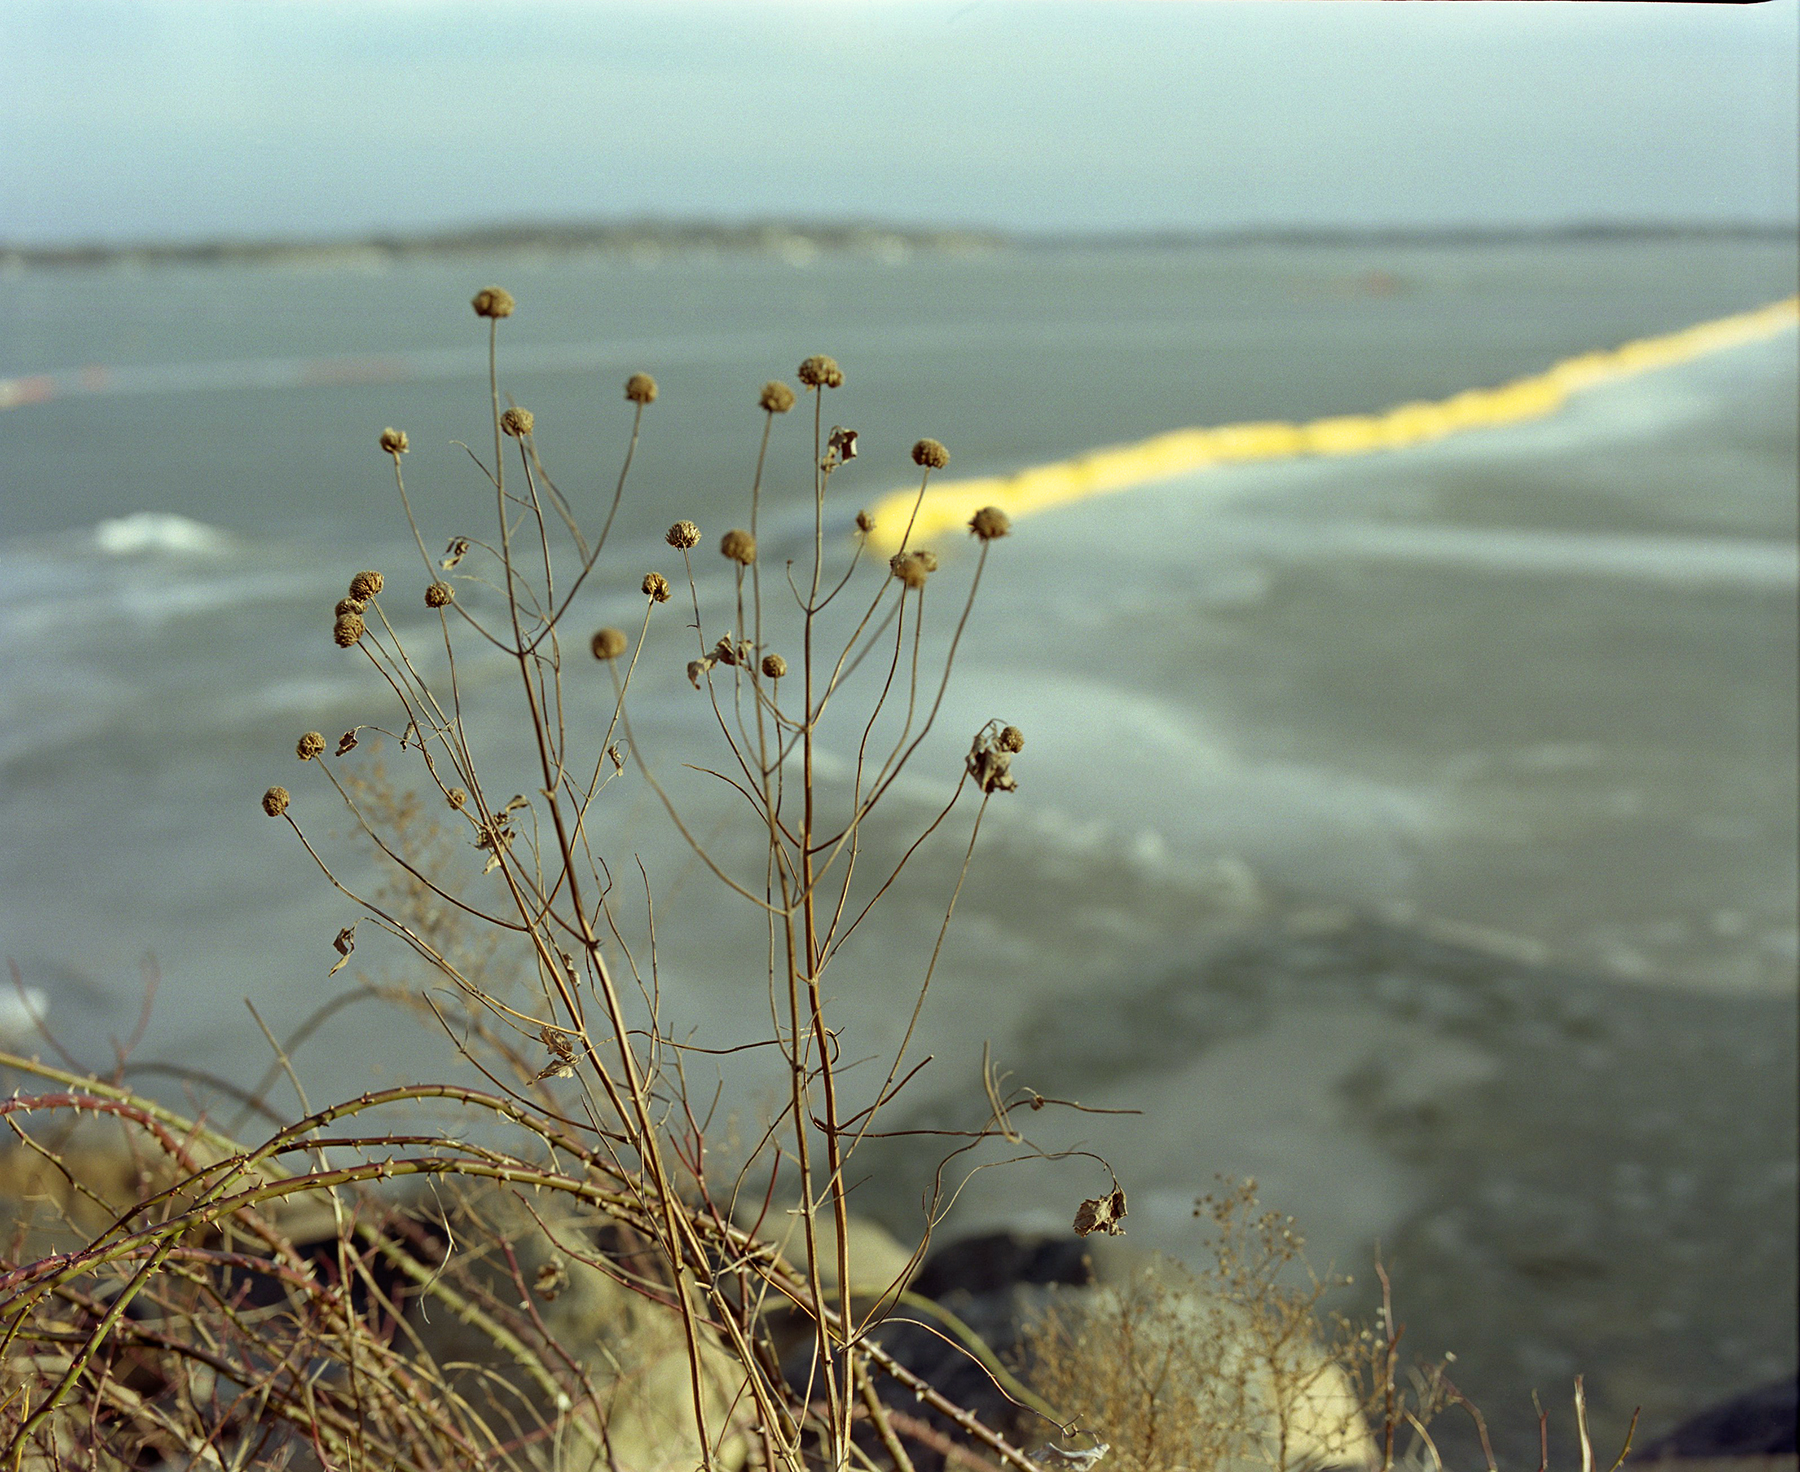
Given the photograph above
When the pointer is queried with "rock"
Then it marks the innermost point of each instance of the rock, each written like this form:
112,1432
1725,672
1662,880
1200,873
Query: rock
632,1351
879,1264
997,1260
1760,1423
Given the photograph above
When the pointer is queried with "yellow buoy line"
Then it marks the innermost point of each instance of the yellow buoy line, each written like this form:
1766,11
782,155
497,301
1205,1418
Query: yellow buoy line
949,505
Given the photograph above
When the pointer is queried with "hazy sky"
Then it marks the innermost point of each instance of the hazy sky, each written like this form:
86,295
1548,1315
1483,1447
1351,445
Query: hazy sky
262,117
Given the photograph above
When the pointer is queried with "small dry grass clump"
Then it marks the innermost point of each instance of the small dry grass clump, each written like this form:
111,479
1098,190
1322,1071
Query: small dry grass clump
656,587
439,595
365,585
394,441
310,745
1186,1372
348,630
275,801
640,388
776,397
517,422
683,535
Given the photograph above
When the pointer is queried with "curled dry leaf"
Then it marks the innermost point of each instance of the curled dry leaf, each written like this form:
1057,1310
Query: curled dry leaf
1102,1214
697,668
454,553
495,837
990,762
343,945
562,1053
347,741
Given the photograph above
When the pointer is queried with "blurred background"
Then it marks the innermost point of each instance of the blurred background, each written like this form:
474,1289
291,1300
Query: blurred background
1412,831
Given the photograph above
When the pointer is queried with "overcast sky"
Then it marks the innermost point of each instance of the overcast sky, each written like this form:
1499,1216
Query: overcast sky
158,119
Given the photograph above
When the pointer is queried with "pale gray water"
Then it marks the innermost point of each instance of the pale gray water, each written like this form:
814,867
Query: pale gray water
1415,833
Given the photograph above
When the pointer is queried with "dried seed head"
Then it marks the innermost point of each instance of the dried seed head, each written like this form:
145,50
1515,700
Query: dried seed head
821,372
457,798
349,605
348,629
930,454
683,534
517,422
640,388
310,745
610,643
275,801
927,560
439,594
552,1276
656,586
1011,739
739,546
364,586
909,569
776,397
394,441
774,666
865,523
493,301
990,522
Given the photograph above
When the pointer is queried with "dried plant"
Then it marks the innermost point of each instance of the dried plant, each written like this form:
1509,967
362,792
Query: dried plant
1189,1372
279,1298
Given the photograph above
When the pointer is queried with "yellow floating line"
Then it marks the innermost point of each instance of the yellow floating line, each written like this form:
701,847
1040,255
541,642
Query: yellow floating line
949,505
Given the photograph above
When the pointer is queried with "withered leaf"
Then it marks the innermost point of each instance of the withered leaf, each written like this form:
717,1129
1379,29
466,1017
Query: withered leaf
347,741
344,945
454,553
1102,1214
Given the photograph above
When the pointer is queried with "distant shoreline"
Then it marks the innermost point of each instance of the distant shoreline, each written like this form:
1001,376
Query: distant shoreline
801,242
